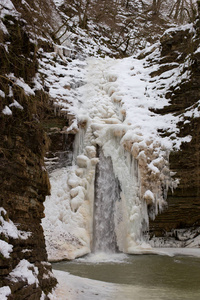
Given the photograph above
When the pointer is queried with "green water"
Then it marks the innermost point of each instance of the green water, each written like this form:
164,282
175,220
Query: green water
156,277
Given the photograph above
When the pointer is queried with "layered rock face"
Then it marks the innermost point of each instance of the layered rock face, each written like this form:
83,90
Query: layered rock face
24,270
24,185
183,210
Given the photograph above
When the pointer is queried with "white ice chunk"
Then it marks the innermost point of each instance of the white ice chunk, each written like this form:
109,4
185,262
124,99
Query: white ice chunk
76,202
74,180
149,197
153,168
82,161
79,190
91,151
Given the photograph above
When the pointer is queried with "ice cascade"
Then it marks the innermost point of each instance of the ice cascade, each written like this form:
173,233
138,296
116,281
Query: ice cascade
119,177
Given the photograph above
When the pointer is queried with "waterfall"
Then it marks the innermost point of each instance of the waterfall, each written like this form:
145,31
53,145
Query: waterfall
106,195
118,172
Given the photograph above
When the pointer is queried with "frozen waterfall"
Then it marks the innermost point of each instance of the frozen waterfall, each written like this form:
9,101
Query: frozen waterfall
107,193
120,171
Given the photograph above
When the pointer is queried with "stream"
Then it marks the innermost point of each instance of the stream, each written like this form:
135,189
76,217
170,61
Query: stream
134,276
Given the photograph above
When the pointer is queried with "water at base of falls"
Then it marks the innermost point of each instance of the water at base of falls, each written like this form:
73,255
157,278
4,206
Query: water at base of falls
138,277
107,192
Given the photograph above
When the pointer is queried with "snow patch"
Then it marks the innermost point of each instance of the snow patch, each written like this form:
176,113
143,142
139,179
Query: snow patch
5,291
25,271
9,229
16,104
2,94
7,111
5,248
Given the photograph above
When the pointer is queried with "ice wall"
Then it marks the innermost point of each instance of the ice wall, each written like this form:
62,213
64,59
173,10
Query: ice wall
112,115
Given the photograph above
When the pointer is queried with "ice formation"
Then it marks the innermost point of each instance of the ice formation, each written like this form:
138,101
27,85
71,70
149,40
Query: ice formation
112,115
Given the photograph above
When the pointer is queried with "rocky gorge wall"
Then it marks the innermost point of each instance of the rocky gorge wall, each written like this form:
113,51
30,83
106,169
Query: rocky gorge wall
183,211
24,270
24,185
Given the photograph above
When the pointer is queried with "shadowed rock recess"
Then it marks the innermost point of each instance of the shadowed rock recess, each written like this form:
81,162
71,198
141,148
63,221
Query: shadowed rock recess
183,211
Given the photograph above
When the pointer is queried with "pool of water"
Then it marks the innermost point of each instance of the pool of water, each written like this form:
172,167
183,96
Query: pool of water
141,276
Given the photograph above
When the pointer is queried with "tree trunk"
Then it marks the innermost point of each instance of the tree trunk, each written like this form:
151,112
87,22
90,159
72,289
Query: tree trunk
154,7
178,3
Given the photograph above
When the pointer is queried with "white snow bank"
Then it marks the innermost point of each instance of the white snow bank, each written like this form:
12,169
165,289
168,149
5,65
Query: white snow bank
78,288
177,251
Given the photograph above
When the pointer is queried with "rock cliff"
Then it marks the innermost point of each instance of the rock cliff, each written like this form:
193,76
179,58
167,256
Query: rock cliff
24,270
183,212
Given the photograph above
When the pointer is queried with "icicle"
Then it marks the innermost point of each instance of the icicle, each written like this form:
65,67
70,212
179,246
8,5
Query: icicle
78,144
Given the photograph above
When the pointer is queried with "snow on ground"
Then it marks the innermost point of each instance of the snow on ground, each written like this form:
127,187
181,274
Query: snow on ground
78,288
7,111
81,288
63,80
